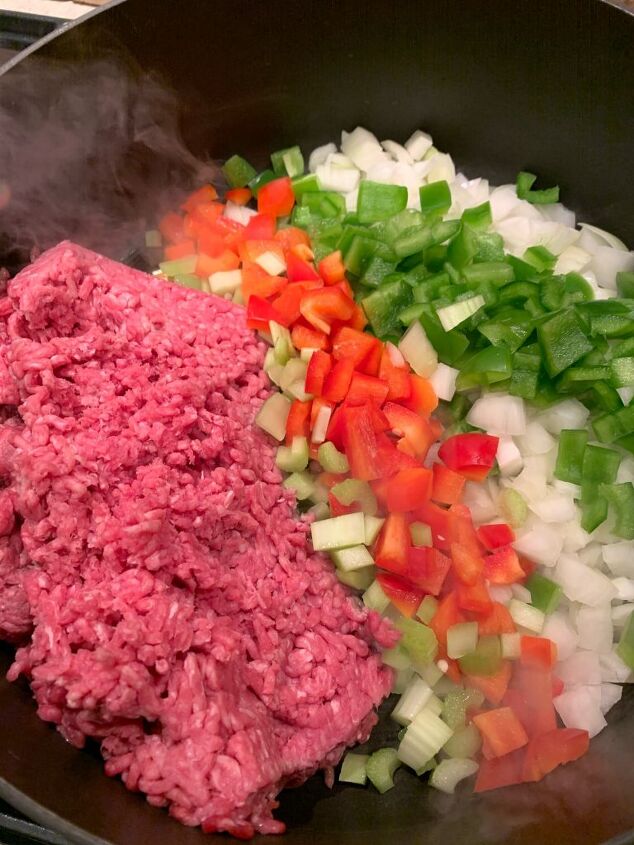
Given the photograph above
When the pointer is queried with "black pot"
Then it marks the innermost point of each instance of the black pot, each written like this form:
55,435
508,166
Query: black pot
543,85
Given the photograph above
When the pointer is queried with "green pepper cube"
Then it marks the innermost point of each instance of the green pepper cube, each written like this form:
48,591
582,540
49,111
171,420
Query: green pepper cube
545,594
478,217
435,198
288,162
621,499
377,201
238,172
259,180
625,284
563,340
572,445
600,464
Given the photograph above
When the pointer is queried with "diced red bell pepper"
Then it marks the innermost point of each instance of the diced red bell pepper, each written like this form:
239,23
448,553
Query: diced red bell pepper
471,454
182,249
261,228
467,566
203,218
298,420
474,597
495,535
253,249
319,366
337,508
393,543
260,313
406,490
502,730
352,345
367,389
422,398
288,301
462,528
557,686
360,443
276,197
531,696
337,382
206,264
397,376
391,459
448,485
238,196
304,252
299,270
345,287
329,479
211,242
370,365
304,337
500,771
493,686
538,651
336,426
380,422
544,753
332,269
503,566
291,236
527,565
447,614
410,425
204,194
171,227
427,568
257,282
439,520
322,307
403,595
497,621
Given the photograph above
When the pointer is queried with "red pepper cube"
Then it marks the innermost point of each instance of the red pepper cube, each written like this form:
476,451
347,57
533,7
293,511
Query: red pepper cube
298,420
467,565
276,197
260,313
299,270
360,443
502,730
550,750
304,337
352,345
261,227
531,696
337,382
367,389
397,376
332,269
539,652
393,543
448,485
289,299
403,595
319,366
497,621
416,429
447,614
474,597
407,489
495,535
493,687
422,398
499,772
470,454
323,307
427,568
503,567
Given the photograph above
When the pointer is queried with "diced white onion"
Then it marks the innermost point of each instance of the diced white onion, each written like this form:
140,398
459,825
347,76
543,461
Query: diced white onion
558,213
535,440
508,456
594,626
554,507
418,144
621,613
603,237
498,413
521,593
342,179
624,588
397,151
619,558
453,315
610,695
526,616
322,422
511,646
572,260
417,350
540,543
271,263
582,667
225,281
239,213
567,414
558,629
442,168
582,584
580,708
319,156
607,262
501,593
361,147
613,669
443,380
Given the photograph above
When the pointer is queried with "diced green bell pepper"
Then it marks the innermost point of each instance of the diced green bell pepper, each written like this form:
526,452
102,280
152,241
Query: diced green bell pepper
383,306
563,340
435,198
621,499
525,182
545,594
238,172
479,216
377,201
572,446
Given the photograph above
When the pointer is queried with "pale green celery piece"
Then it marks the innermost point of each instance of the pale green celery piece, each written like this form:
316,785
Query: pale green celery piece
419,641
380,768
375,599
354,491
420,534
301,483
338,532
354,557
353,768
513,507
358,579
293,458
331,459
273,414
396,657
319,511
427,609
373,525
464,743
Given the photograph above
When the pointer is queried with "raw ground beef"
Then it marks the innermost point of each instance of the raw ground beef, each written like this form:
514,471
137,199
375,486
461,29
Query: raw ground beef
154,574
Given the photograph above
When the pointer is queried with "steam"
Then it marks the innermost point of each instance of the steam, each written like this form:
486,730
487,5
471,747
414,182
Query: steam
90,152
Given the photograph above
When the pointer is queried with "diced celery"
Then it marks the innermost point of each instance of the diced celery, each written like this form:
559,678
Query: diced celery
526,616
462,638
179,266
380,768
358,579
282,344
434,705
456,703
431,674
354,491
429,766
511,646
419,641
302,484
424,738
294,379
420,534
339,532
320,494
402,677
353,768
319,510
237,297
188,280
273,414
354,557
331,459
320,426
225,281
448,773
375,599
396,657
415,697
373,525
293,458
464,743
453,315
485,659
513,507
418,351
427,609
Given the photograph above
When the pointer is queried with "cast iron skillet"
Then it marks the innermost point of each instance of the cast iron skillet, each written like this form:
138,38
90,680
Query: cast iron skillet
537,84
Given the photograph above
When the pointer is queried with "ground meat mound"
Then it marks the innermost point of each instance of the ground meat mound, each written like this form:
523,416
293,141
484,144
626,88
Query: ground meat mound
153,573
